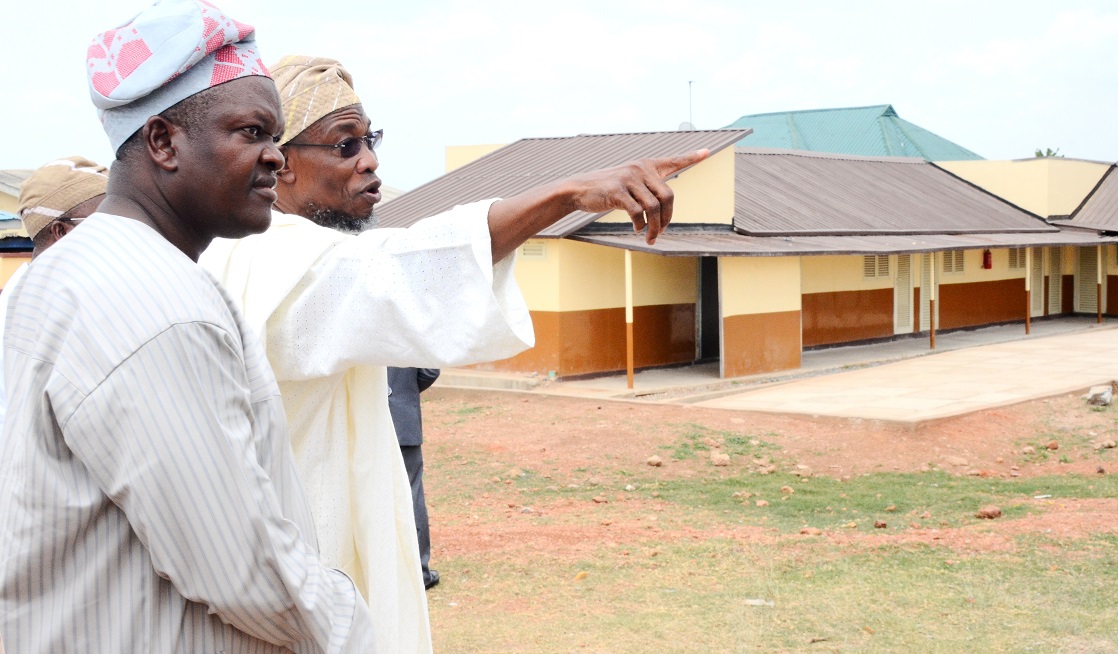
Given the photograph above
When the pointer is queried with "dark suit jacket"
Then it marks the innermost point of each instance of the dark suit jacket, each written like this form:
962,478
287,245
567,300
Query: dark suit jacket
403,401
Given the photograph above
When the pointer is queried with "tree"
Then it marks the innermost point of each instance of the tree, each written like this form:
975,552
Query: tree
1048,152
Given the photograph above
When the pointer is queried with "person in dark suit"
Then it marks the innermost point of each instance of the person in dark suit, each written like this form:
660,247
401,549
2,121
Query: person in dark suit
404,387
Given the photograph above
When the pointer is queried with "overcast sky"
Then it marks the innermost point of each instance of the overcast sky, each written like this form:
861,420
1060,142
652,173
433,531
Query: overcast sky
1000,77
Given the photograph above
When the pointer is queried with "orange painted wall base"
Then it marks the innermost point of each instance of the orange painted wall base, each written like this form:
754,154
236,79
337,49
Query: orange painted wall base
845,316
589,342
758,343
981,303
1110,305
593,342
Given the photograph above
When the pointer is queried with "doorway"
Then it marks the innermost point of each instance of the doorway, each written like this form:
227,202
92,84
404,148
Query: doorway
709,312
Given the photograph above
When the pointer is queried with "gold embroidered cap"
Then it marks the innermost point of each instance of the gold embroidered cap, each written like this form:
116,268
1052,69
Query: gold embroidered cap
310,88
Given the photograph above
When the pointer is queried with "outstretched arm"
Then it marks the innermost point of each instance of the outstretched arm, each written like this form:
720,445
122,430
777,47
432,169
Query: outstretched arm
637,188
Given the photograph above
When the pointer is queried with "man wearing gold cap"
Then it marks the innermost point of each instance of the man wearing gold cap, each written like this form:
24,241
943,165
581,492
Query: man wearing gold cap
52,201
335,303
148,497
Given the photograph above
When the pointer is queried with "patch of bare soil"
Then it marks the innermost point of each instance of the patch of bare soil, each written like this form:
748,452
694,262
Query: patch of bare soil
571,441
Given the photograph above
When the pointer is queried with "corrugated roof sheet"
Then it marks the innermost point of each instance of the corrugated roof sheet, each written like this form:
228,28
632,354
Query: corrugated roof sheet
1100,209
874,131
11,226
683,241
528,163
12,179
784,192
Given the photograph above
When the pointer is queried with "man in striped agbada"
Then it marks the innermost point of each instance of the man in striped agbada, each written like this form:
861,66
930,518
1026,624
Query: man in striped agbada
336,302
148,498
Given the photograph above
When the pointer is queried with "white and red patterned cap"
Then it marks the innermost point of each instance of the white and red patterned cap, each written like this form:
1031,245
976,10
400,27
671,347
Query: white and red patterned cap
167,53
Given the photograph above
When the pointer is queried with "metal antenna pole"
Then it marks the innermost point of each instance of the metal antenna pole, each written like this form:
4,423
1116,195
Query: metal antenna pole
690,117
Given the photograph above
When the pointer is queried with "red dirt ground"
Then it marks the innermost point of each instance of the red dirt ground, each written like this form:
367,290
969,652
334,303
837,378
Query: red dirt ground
571,441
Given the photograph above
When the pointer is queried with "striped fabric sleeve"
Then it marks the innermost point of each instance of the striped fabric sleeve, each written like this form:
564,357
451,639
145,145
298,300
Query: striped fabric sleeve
180,459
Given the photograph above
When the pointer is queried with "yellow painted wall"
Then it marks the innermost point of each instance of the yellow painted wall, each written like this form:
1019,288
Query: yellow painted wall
9,203
1069,183
1048,186
8,265
539,278
827,274
751,285
703,194
974,273
593,277
575,276
460,155
664,280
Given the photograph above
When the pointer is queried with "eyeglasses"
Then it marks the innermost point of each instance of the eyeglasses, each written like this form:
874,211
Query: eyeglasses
350,147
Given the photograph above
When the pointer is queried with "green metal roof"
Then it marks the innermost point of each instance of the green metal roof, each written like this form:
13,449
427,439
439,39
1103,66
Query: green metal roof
874,131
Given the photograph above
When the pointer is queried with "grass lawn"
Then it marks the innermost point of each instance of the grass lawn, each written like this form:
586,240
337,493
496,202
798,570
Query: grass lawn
670,591
713,559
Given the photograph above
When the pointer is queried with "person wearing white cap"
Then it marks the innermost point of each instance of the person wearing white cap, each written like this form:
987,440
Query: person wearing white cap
337,302
52,201
148,497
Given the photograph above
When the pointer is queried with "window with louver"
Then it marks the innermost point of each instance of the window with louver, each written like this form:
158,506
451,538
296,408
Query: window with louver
875,266
953,262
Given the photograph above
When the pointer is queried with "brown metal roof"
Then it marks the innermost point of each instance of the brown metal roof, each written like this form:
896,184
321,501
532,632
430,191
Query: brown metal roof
789,192
1100,209
715,240
528,163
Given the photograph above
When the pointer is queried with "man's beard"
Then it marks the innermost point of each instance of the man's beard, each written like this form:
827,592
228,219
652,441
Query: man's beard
344,222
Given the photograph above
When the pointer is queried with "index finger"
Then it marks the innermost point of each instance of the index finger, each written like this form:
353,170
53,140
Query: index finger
666,166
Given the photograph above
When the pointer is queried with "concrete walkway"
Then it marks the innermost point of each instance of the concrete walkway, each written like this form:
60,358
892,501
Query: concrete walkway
946,384
897,381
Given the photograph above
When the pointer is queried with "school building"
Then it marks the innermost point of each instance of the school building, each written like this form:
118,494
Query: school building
775,249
